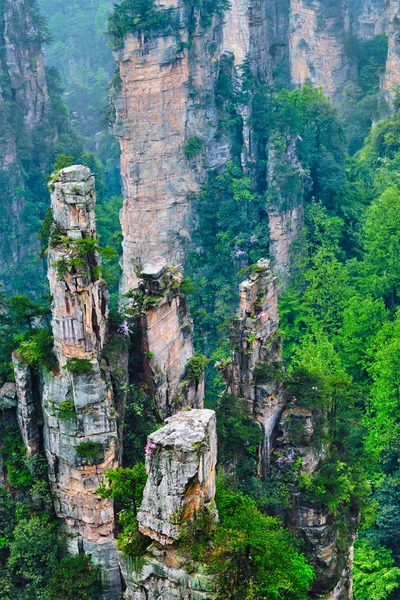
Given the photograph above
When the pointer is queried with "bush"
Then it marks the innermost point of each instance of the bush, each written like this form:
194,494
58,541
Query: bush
75,578
248,551
36,348
66,410
195,368
78,366
90,450
193,147
126,486
136,15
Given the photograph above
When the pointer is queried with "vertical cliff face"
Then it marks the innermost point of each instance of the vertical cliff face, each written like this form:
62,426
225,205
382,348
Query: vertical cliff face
80,432
287,182
255,356
165,344
317,45
28,407
328,538
24,109
181,465
167,80
391,77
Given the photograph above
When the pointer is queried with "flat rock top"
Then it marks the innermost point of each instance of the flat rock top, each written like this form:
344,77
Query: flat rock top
185,429
76,173
153,271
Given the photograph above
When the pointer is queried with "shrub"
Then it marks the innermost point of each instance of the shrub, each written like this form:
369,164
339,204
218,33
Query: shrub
195,368
78,366
248,551
75,578
136,15
36,348
66,410
90,450
193,147
125,486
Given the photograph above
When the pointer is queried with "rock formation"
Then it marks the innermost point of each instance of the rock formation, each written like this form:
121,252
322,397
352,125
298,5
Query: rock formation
28,406
391,77
181,461
167,81
286,185
253,371
80,431
328,539
166,340
24,110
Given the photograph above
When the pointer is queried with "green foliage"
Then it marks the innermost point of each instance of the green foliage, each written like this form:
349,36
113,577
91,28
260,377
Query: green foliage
66,410
193,147
75,578
89,450
239,438
195,368
125,486
141,419
33,552
36,348
248,550
79,366
136,15
375,576
382,245
358,104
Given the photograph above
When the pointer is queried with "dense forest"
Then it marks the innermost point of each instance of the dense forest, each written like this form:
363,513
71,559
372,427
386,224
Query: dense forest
333,158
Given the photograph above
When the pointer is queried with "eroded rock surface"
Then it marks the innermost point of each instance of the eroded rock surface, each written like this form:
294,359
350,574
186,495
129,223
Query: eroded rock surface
80,431
27,406
181,465
328,538
23,92
255,354
166,341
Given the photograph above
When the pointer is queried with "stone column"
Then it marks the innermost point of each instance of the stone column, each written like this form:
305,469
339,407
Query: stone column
80,431
256,353
166,340
181,460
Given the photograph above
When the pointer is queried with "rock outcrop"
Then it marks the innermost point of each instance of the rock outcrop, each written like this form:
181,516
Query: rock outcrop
287,182
80,431
180,460
252,373
165,343
28,406
167,80
181,463
328,538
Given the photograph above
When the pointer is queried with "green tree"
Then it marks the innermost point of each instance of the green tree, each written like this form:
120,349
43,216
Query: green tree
375,576
382,245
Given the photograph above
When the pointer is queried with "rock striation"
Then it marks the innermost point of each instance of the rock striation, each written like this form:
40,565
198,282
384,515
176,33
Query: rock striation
328,539
166,340
167,79
287,183
181,466
256,353
180,460
28,406
80,431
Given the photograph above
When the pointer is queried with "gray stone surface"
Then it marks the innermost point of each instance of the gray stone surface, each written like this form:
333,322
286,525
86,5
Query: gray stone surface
181,460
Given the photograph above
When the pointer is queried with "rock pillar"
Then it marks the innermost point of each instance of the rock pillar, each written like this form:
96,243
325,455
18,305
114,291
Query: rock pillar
80,431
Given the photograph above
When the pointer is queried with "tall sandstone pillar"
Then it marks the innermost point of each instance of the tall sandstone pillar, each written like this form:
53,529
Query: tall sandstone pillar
256,354
181,466
165,101
80,431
